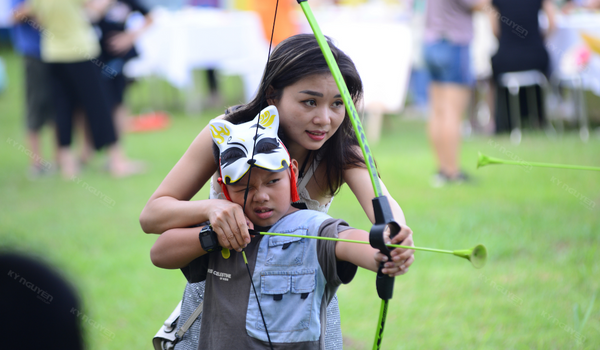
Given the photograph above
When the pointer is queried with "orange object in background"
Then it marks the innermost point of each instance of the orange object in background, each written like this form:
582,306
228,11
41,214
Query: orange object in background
148,122
285,26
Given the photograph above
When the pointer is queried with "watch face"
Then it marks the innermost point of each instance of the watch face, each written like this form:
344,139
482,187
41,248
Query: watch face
206,241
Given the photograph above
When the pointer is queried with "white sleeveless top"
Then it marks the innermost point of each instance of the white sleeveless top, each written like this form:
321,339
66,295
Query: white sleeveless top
217,193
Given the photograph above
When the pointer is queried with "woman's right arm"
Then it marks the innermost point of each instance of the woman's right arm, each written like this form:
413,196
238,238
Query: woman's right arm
170,206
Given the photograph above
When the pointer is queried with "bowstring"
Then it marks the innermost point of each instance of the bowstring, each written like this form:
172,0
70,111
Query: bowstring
251,162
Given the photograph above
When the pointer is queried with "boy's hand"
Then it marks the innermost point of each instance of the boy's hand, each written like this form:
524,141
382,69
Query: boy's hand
230,224
401,258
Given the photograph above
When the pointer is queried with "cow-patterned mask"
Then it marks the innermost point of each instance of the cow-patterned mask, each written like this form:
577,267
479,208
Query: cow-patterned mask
236,143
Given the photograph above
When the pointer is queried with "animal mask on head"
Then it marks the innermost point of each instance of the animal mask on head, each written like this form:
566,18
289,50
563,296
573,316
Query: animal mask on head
236,145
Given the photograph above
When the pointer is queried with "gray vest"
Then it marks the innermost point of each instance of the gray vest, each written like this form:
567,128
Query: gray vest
289,282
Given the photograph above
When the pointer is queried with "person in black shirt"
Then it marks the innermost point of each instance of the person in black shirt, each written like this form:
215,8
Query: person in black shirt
117,44
520,48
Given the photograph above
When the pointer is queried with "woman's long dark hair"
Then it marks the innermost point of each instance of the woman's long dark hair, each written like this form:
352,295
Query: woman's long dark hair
295,58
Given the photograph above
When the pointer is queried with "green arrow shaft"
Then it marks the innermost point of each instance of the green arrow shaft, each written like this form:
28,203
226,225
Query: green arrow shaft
547,165
356,241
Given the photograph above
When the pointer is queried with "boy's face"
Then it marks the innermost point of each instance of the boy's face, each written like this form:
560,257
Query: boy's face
269,196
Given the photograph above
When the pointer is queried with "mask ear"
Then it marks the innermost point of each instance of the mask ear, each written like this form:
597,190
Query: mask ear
220,130
269,119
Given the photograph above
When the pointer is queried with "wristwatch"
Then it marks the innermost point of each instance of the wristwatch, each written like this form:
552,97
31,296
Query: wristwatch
208,239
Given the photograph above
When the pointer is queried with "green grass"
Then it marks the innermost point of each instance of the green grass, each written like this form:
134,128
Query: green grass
542,239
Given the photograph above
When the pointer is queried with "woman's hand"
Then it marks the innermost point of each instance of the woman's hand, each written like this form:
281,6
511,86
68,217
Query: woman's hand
401,258
230,224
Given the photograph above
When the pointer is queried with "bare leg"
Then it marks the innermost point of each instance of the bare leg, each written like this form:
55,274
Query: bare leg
490,98
435,119
38,165
82,127
68,165
120,115
456,98
119,165
449,102
33,137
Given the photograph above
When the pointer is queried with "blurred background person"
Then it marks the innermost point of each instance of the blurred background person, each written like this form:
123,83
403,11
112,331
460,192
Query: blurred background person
448,33
117,47
39,106
72,48
519,50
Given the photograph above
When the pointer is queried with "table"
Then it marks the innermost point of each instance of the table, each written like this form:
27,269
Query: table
566,39
378,38
181,41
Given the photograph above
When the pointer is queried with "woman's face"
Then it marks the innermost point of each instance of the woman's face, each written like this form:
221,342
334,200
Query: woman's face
311,110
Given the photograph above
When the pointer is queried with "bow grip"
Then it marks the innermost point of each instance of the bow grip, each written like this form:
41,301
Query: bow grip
383,219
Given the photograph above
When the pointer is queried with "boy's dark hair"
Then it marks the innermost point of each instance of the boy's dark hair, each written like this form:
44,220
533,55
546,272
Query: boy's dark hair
295,58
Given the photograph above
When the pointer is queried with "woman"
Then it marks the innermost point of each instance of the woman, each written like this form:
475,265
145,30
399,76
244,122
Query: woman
448,34
117,48
318,134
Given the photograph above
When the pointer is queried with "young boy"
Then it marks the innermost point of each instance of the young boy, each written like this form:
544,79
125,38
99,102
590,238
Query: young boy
295,278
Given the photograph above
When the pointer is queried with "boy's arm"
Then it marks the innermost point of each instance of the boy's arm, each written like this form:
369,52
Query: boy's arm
364,255
176,248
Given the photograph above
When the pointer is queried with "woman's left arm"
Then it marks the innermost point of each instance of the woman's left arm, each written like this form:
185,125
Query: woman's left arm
357,179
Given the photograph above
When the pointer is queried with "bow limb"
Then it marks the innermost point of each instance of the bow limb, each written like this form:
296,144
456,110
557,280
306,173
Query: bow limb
384,218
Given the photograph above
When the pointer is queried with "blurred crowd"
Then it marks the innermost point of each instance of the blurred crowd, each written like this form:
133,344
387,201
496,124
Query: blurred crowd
74,53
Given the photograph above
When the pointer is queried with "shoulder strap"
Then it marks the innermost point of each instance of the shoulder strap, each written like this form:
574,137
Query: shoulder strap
309,173
188,323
